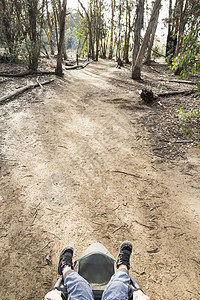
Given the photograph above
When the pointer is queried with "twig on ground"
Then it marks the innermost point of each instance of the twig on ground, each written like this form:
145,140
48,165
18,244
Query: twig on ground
8,159
193,293
120,227
36,212
165,227
195,187
46,245
116,207
97,202
160,148
61,146
125,173
196,261
39,83
53,234
96,223
153,251
147,226
183,142
178,234
140,273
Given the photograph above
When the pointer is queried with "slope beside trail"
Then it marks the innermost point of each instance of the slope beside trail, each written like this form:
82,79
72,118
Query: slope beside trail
77,167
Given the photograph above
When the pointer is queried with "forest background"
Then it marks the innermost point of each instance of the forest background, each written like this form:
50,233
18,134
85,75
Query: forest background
124,29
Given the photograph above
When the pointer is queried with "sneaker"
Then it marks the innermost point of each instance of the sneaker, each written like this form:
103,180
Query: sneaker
124,254
65,259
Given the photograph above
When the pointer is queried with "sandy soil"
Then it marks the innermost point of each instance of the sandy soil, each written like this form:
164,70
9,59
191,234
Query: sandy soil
78,165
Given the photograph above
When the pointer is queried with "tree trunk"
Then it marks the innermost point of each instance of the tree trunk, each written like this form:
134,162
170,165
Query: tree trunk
7,26
182,23
55,23
118,52
170,49
50,29
137,29
113,4
151,42
136,70
91,45
179,26
97,12
127,33
34,43
59,70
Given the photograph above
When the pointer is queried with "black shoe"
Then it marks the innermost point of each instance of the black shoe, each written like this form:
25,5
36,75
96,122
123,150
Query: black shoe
65,259
124,254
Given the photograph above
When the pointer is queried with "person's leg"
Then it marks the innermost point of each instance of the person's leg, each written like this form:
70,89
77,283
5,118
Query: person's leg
77,286
119,285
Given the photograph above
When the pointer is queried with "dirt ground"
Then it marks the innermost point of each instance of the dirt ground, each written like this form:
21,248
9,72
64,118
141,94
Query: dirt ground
82,160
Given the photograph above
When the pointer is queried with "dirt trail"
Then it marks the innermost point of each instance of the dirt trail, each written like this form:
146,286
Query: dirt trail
77,168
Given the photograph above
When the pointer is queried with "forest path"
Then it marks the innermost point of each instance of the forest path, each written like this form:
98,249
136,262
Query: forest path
78,168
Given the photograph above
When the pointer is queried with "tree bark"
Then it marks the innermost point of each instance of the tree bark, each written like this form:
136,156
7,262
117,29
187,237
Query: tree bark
151,42
182,23
34,49
179,27
55,21
137,29
118,51
136,69
50,29
170,40
113,4
127,33
59,70
97,18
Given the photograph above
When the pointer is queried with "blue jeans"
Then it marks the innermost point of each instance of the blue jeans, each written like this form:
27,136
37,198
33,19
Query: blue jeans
79,288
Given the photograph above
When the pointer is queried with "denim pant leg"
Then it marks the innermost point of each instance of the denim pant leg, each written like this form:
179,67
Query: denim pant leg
77,286
118,286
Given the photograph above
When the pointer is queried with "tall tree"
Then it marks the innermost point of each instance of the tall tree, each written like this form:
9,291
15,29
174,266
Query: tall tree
136,68
151,40
113,6
139,22
119,27
30,16
62,14
89,20
171,42
33,47
128,29
181,24
50,27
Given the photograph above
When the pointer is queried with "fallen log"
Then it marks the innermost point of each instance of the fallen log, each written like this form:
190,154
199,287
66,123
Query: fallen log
26,73
187,92
179,81
78,66
21,90
149,97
